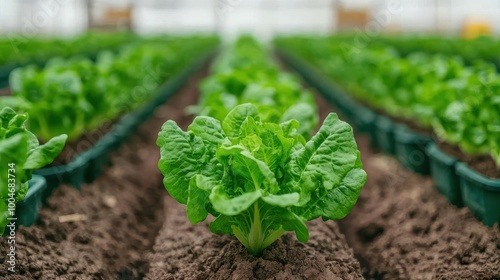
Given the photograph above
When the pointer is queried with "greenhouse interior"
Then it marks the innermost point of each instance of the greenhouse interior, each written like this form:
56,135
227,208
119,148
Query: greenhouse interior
250,139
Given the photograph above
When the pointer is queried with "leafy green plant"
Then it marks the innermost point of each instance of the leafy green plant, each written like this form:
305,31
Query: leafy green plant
460,102
260,179
18,50
20,152
77,95
246,74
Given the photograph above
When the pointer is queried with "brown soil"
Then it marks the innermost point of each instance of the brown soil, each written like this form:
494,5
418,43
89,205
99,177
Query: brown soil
5,91
184,251
484,164
122,210
402,228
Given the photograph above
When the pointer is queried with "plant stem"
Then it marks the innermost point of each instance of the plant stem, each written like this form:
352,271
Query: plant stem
256,236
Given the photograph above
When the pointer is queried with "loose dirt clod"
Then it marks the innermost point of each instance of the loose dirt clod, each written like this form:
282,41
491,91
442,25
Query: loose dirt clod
109,200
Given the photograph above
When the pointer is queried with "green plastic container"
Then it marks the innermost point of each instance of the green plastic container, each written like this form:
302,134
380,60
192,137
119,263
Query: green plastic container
443,172
480,194
73,173
363,119
347,107
27,210
410,149
4,74
384,135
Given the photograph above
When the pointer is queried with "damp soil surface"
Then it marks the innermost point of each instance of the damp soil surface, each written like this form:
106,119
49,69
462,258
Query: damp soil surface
484,164
104,230
186,251
402,228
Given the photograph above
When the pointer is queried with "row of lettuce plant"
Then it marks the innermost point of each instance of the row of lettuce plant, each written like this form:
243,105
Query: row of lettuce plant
480,48
77,95
247,75
20,155
19,50
460,102
71,96
249,159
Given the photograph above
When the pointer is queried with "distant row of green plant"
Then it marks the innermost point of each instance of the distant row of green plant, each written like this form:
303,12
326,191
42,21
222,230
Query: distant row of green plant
71,96
481,48
18,50
249,160
247,75
460,102
76,95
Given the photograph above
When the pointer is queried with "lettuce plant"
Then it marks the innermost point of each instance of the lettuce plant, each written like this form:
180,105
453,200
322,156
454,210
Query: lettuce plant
260,179
20,151
77,95
460,102
245,74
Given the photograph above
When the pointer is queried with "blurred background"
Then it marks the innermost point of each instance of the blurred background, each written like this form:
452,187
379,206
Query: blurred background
264,18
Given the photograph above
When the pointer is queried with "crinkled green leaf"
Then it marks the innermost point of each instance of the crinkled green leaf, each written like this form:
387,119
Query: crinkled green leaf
305,114
244,164
6,116
46,153
235,118
199,189
182,157
327,171
209,130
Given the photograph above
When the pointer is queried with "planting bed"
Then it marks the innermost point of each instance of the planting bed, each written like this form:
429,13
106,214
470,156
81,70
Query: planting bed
484,164
106,230
117,217
186,251
402,228
125,226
